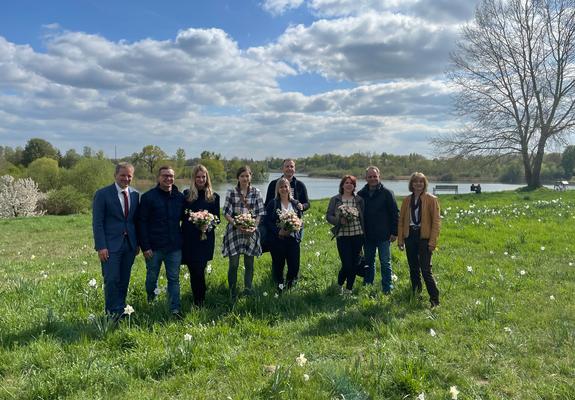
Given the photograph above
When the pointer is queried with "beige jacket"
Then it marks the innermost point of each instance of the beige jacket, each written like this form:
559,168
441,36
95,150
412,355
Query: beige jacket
430,219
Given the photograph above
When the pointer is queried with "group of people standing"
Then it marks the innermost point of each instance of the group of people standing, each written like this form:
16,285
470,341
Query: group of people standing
163,224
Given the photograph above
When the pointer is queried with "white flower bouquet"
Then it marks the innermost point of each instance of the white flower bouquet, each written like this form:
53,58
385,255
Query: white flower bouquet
349,213
289,221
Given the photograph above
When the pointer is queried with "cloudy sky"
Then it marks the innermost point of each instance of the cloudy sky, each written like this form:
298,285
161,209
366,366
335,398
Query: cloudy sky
242,78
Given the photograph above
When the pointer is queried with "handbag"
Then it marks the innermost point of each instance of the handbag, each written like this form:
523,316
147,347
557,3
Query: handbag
264,237
361,266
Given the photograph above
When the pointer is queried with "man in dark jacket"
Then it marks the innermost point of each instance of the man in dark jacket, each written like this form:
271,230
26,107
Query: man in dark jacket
297,187
381,216
160,236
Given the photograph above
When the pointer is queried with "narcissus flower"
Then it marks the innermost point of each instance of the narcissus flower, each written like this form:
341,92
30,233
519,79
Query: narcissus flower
301,360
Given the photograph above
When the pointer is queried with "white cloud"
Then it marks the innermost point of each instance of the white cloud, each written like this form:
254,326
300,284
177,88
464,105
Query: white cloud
369,47
201,91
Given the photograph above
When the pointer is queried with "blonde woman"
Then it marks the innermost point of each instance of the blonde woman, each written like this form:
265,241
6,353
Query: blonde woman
198,241
418,230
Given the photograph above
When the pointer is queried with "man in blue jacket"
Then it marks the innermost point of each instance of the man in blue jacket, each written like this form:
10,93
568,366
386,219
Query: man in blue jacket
160,236
381,216
115,208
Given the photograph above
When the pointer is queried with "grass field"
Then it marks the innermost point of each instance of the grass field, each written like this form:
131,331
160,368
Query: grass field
505,330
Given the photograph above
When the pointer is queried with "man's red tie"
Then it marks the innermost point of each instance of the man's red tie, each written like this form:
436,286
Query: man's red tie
126,205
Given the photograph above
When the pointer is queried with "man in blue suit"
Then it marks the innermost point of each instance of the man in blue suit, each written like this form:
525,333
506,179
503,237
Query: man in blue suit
115,211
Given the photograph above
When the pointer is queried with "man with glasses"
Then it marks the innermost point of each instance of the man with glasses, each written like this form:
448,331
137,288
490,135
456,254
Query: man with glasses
160,236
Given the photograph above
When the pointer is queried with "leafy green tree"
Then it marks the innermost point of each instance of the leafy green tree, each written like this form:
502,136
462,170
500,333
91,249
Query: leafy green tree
37,148
151,156
70,159
90,174
568,161
216,169
45,172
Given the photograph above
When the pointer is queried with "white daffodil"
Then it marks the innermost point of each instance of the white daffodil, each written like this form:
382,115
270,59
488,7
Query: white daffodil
305,377
92,283
301,360
265,294
421,396
432,332
187,337
469,268
209,269
542,248
507,329
551,297
522,272
128,310
453,392
157,291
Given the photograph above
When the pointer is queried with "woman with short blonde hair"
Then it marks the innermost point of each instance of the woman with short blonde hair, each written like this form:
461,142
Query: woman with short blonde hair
418,231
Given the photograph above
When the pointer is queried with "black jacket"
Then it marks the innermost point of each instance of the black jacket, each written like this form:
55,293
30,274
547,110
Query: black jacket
160,216
381,214
299,192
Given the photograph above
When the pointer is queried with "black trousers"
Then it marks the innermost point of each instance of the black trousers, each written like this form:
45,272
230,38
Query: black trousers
198,281
419,260
349,248
285,251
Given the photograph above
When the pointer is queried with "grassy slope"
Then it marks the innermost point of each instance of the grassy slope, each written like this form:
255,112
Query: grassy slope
499,333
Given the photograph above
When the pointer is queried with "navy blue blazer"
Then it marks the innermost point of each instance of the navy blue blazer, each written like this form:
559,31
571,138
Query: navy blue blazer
108,222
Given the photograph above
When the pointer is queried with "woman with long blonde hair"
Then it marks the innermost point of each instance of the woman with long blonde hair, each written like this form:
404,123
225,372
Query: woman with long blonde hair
199,240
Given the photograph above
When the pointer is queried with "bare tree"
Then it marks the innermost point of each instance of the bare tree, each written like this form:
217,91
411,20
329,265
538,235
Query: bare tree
514,72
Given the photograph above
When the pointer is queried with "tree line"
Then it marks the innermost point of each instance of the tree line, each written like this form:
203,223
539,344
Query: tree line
69,180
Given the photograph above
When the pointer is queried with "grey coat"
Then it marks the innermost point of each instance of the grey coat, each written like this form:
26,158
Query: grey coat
332,215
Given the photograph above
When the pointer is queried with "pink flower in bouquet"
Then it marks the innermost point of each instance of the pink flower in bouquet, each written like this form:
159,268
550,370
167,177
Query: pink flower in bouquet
289,221
245,221
202,219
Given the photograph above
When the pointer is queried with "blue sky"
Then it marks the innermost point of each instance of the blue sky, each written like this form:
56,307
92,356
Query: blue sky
241,78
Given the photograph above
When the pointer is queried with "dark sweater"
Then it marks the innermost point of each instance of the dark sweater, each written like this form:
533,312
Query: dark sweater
381,214
159,219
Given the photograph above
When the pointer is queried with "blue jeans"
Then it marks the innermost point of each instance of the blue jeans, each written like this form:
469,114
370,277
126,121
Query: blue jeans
384,251
172,261
116,272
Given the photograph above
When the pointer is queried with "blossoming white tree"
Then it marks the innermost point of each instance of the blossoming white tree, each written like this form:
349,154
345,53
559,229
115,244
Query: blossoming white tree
19,197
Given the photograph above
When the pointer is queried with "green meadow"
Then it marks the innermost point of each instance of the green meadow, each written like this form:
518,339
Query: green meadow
505,330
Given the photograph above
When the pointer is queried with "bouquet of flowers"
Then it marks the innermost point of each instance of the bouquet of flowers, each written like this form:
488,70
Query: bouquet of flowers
245,221
289,221
202,219
348,212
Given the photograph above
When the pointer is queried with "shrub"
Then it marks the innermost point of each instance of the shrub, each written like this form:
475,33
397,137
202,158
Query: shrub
19,197
65,201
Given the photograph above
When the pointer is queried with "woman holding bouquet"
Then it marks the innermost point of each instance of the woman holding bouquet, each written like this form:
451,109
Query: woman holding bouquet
243,209
283,223
345,213
200,217
418,230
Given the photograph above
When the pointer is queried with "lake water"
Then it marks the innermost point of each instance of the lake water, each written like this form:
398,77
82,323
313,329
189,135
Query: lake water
322,188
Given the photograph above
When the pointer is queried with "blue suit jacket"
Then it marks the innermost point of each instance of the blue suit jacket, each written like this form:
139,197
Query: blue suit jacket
108,222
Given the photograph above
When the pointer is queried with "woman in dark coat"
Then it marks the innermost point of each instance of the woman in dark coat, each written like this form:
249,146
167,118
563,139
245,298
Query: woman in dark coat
198,241
284,245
